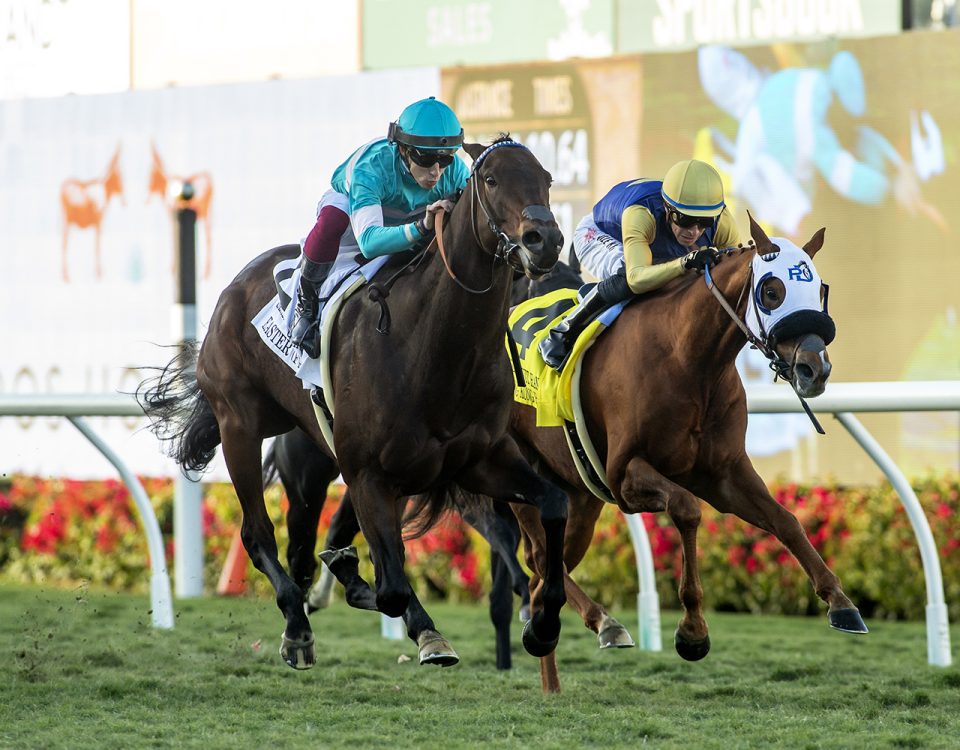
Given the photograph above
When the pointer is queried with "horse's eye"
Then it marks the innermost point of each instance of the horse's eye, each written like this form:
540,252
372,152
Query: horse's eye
490,181
771,293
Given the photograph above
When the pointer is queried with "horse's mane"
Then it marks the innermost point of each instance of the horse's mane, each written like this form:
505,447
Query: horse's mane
682,284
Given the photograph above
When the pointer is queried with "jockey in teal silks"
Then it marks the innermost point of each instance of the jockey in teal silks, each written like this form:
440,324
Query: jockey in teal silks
785,141
383,200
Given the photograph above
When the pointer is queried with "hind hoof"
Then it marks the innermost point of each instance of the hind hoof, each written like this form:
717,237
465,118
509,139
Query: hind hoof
847,621
298,654
436,650
691,650
533,645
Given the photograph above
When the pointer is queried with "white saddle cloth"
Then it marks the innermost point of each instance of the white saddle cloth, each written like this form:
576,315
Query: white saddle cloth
275,320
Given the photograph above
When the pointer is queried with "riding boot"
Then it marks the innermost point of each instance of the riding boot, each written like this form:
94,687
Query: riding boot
555,348
306,323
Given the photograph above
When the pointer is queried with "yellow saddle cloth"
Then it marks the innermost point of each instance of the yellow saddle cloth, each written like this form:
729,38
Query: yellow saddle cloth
545,389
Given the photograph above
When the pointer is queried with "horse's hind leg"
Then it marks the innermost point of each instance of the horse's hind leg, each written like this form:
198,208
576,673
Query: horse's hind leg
741,491
645,489
241,451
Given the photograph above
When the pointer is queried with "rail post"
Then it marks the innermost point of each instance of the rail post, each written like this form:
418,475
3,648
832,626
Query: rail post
187,513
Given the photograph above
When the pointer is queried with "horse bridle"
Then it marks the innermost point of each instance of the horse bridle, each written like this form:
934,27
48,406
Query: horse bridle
763,343
507,247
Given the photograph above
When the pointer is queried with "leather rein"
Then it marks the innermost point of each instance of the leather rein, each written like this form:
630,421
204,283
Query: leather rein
506,247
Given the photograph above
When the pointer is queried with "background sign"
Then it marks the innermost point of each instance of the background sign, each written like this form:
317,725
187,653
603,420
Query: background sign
80,173
471,32
683,24
880,173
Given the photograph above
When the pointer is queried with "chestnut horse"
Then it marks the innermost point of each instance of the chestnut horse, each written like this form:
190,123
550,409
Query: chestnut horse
423,409
667,413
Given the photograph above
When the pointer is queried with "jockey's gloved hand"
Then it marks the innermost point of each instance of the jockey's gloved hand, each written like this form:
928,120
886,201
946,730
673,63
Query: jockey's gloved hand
702,257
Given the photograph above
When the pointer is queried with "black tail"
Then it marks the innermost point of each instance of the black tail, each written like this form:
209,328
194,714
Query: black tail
180,415
425,510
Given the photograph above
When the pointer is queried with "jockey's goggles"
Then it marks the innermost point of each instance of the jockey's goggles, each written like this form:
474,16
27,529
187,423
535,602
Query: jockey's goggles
685,222
427,158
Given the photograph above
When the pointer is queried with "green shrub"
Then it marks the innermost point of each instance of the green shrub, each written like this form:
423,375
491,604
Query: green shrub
65,532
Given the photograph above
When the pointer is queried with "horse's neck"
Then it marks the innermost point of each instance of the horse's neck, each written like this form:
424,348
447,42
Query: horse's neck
706,330
458,319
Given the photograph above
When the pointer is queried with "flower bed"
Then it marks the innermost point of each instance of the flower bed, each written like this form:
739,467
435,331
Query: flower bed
64,532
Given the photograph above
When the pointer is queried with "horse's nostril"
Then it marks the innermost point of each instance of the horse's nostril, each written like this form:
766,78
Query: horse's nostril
804,372
532,238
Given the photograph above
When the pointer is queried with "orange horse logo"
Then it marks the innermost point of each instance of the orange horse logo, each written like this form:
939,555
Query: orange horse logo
84,204
200,202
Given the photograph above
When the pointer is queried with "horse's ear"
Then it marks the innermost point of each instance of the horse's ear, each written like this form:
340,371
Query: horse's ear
815,242
474,149
760,239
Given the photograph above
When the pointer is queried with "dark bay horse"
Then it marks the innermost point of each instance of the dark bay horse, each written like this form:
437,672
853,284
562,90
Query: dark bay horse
305,472
420,410
666,411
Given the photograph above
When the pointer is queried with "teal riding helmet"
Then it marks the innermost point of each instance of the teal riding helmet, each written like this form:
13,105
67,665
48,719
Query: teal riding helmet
427,124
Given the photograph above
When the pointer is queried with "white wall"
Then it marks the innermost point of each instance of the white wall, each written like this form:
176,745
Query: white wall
270,149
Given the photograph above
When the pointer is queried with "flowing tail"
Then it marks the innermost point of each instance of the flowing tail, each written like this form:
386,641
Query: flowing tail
180,415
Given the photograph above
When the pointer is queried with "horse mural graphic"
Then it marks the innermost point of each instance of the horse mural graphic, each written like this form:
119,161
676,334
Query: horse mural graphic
200,202
84,204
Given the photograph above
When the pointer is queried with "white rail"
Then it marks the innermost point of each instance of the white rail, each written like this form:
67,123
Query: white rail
839,399
74,407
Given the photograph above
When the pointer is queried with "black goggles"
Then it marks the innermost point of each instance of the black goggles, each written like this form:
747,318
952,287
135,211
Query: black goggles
427,158
685,222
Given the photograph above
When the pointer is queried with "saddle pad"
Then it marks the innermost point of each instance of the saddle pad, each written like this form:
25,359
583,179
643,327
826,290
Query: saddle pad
548,391
274,321
556,396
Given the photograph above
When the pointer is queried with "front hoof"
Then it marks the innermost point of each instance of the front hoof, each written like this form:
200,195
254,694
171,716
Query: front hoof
436,650
691,650
533,645
613,635
298,654
847,621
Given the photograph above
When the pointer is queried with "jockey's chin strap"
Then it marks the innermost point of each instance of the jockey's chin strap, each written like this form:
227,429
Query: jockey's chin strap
778,364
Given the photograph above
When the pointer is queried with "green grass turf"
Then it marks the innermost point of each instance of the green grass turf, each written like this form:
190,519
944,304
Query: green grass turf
85,669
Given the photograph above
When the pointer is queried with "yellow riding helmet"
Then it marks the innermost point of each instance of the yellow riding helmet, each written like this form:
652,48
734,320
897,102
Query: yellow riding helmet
693,188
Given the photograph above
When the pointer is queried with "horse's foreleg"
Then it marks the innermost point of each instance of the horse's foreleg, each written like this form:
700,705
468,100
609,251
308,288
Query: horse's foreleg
241,452
645,489
379,511
505,475
743,493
